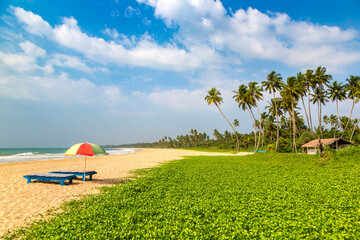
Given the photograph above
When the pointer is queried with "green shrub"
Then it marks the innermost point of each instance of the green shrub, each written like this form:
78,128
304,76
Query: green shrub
349,151
271,147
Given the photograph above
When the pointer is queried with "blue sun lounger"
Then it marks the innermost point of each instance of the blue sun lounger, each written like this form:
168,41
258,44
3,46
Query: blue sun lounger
77,173
50,177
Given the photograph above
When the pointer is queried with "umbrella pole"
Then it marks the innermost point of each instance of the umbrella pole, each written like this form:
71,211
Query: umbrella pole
84,168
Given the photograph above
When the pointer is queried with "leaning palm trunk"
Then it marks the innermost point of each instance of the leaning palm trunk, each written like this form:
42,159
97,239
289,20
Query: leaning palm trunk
307,118
349,118
319,115
256,147
258,144
237,138
294,126
277,125
260,127
337,117
291,145
311,126
253,121
352,133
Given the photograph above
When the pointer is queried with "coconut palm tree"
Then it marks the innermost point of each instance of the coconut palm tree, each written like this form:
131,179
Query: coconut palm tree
273,84
236,123
343,122
292,91
334,122
325,120
255,94
336,92
321,77
214,97
355,126
302,84
352,87
310,82
243,99
271,107
319,97
216,134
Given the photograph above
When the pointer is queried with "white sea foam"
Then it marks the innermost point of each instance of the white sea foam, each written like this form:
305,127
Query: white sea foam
34,156
120,151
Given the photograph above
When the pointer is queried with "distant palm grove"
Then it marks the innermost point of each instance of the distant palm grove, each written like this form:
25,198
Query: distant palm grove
281,127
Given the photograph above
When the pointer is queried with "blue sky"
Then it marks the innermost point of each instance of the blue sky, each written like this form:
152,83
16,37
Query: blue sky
126,71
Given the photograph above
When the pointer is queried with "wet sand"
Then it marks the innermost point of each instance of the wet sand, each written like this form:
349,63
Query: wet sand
20,202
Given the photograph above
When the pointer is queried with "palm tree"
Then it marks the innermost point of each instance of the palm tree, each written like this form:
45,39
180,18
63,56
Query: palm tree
242,98
292,92
319,97
256,95
216,134
271,107
325,120
343,122
236,123
334,121
214,97
302,84
287,107
321,77
352,87
355,126
310,82
273,84
336,92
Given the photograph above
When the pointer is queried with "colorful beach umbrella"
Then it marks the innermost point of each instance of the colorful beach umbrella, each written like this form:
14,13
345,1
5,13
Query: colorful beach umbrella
86,149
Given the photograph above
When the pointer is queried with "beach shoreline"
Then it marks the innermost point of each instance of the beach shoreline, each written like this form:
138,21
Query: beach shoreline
21,202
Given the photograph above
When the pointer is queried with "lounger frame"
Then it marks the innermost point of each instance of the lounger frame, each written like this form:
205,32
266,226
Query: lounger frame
77,173
50,177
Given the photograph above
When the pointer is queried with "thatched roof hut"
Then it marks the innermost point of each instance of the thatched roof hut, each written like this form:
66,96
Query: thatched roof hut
335,143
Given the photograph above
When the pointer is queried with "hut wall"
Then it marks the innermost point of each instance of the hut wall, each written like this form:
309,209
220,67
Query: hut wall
311,151
344,145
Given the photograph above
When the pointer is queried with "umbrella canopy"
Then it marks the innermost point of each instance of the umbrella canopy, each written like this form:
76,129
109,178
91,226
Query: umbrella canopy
86,149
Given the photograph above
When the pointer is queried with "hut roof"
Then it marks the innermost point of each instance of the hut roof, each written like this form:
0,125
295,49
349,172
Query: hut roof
325,142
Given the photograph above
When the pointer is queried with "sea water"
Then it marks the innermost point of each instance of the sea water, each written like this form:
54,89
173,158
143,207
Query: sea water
10,155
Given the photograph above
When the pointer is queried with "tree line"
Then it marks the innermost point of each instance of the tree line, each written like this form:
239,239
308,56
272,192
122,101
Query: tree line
281,127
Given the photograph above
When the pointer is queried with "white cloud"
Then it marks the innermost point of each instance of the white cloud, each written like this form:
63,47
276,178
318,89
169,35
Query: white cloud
112,33
33,22
130,11
25,61
255,35
146,53
59,88
210,36
63,60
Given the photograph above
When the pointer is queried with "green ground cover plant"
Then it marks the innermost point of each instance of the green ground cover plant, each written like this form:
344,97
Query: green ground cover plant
261,196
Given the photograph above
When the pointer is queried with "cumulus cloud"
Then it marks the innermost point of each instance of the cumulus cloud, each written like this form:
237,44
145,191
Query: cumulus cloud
59,87
33,23
209,38
251,34
24,61
146,53
206,25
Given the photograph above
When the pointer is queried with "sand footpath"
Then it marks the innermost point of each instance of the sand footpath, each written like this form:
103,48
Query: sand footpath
20,202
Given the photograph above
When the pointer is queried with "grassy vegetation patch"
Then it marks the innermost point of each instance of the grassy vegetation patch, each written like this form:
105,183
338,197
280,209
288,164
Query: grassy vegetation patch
262,196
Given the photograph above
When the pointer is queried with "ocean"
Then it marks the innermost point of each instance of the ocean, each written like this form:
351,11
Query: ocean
11,155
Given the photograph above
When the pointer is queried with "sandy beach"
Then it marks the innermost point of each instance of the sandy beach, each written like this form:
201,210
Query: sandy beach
20,202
